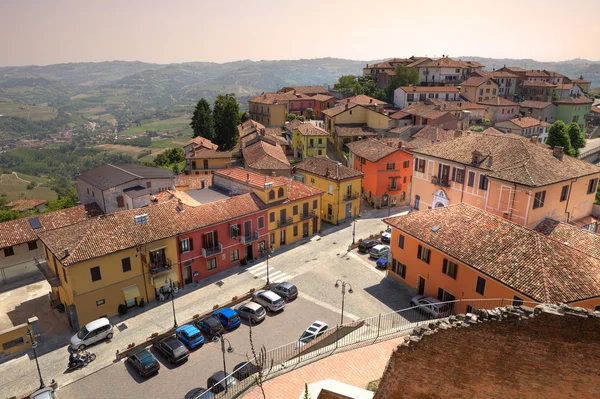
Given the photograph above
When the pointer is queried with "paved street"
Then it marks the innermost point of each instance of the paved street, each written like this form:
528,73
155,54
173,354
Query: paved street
313,266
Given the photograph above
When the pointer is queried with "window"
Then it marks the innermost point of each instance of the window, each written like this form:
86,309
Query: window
320,152
330,189
399,268
320,141
65,275
420,165
9,251
295,210
401,241
494,92
480,92
271,217
458,175
483,182
126,264
32,245
517,301
471,180
312,142
272,239
480,288
93,194
592,186
271,195
417,202
261,222
406,164
95,273
315,204
538,200
295,230
148,184
449,268
120,201
211,264
234,231
312,180
445,296
329,209
186,245
280,192
100,302
234,255
423,253
391,165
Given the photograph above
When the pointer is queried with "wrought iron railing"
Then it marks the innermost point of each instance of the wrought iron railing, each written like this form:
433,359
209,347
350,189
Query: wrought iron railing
246,239
285,222
307,215
217,249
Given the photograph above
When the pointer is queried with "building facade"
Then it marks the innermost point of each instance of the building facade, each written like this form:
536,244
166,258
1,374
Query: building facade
477,89
574,109
525,126
202,161
408,95
544,111
309,141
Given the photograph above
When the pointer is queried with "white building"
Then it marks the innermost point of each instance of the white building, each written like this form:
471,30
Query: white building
446,71
408,95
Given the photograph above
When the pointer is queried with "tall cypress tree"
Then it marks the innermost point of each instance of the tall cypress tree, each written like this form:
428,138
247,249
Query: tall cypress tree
202,120
226,118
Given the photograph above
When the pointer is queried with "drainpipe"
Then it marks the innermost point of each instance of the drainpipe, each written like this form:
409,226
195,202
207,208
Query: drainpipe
568,199
512,204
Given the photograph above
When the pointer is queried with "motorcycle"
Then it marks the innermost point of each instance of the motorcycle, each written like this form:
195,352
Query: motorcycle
86,356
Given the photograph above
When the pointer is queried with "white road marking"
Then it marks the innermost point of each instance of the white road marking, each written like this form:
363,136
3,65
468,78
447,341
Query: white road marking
256,268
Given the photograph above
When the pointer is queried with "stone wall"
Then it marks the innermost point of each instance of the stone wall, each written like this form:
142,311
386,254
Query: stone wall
512,352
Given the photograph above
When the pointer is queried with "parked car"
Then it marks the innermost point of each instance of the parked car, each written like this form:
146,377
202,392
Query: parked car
379,251
144,362
199,393
244,370
287,291
172,349
211,327
190,336
216,382
431,306
387,235
44,393
365,245
91,333
270,300
228,317
252,311
382,263
313,331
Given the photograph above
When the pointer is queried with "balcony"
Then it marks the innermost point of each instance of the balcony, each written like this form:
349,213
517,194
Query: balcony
394,187
285,222
351,196
249,238
217,249
437,181
307,215
158,267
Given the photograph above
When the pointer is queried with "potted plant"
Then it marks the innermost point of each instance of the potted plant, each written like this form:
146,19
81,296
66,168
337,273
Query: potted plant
122,309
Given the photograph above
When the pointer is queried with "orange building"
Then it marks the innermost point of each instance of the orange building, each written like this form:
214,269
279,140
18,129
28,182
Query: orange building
322,102
386,169
461,252
507,175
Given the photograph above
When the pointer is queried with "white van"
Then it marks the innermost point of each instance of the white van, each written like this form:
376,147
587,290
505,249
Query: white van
93,332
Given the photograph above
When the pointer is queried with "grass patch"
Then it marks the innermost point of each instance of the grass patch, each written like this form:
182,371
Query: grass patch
129,150
13,185
32,112
180,124
162,143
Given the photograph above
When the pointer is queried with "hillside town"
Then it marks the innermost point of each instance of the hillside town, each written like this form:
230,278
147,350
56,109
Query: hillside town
470,195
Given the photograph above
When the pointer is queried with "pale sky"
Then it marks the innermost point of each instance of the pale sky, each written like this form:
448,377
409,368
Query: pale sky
169,31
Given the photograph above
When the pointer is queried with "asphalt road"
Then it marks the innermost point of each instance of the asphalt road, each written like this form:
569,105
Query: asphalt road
121,379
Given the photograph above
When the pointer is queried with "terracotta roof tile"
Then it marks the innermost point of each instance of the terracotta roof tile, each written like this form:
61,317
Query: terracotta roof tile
263,155
201,142
306,89
514,159
298,190
596,110
204,153
572,236
574,100
322,97
248,127
527,122
565,86
250,178
498,102
193,181
496,74
323,166
361,99
536,83
24,204
170,195
430,135
450,63
308,129
539,267
461,105
534,104
277,98
475,81
577,81
354,130
334,111
371,149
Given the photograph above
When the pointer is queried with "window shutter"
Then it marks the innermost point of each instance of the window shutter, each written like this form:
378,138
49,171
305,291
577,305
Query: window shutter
543,197
428,255
181,246
454,174
440,294
445,266
216,238
403,271
191,243
419,251
455,271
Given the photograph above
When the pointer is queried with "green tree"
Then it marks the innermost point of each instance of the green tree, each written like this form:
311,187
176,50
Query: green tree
202,120
311,113
404,77
175,155
175,169
306,393
555,96
559,136
290,117
576,137
344,84
225,116
244,116
63,202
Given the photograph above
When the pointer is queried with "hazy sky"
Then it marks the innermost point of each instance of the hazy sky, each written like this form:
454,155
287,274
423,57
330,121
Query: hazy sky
164,31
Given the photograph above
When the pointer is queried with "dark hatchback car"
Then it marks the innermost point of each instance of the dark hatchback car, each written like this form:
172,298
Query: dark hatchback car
244,370
172,349
211,327
366,245
287,291
144,362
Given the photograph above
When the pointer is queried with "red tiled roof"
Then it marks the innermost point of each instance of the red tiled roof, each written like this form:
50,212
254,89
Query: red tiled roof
19,231
263,155
170,195
498,102
305,89
204,153
352,130
250,178
298,190
496,74
399,115
334,111
536,83
461,105
430,135
574,100
202,142
371,149
450,63
308,129
527,122
248,127
565,86
193,181
429,89
323,166
24,204
117,231
576,237
534,104
541,268
576,81
361,99
475,81
277,98
322,97
596,110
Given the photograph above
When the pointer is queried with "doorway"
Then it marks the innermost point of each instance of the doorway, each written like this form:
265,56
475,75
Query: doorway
348,210
384,200
187,272
420,285
248,252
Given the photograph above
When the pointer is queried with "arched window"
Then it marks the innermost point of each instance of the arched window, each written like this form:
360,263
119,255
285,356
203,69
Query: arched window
280,192
271,195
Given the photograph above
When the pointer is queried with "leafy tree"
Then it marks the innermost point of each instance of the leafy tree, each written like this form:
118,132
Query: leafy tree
63,202
6,215
301,118
175,169
555,96
244,117
311,113
576,137
161,160
290,117
559,136
225,116
404,77
344,84
351,85
202,120
175,155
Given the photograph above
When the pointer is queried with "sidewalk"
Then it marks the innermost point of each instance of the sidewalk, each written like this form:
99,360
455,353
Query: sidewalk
356,367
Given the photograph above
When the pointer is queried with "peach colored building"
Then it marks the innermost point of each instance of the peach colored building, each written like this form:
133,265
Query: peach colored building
507,175
461,252
478,88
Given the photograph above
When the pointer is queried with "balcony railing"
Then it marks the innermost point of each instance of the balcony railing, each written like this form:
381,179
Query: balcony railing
157,267
351,196
217,249
394,187
440,181
285,222
307,215
250,238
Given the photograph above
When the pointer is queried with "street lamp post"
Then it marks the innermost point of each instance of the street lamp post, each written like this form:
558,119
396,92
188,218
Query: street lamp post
229,350
34,345
353,230
269,252
350,291
170,281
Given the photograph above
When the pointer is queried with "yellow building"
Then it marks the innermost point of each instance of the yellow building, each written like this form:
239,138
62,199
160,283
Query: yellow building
293,207
269,109
479,88
202,161
340,184
309,141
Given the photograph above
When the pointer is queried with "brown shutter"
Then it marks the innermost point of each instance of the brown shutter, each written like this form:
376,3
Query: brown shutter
419,250
216,238
445,266
191,244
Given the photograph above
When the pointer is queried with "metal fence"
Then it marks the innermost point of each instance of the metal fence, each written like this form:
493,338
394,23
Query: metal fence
348,336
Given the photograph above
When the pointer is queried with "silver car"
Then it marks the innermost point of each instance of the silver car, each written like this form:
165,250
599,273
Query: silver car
270,300
287,291
252,311
430,305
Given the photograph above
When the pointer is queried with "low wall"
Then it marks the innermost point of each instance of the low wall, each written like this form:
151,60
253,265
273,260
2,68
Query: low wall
14,340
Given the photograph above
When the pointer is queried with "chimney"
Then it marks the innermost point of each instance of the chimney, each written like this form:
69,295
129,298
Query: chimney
519,116
534,139
476,157
346,106
490,161
247,177
66,252
399,144
370,100
558,152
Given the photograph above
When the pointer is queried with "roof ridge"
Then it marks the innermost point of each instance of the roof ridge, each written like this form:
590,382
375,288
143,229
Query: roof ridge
545,281
126,171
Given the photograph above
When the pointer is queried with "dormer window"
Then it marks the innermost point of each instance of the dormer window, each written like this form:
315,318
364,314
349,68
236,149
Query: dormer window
280,192
271,195
477,157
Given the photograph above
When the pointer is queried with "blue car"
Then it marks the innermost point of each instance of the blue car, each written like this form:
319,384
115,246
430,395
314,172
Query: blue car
382,263
190,336
228,317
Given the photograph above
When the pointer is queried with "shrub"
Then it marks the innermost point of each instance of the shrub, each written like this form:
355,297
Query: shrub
215,307
290,117
154,335
195,316
235,298
244,262
142,303
131,345
301,118
122,309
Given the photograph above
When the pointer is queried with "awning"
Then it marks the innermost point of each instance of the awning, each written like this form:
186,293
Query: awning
157,248
161,279
131,292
